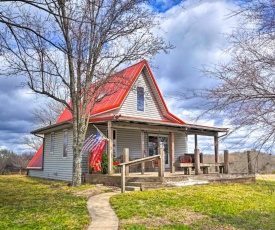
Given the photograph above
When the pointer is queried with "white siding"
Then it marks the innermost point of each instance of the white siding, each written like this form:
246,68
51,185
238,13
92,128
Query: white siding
180,145
131,139
151,106
55,166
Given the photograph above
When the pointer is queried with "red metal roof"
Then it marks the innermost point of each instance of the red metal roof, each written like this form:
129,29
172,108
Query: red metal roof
116,90
37,160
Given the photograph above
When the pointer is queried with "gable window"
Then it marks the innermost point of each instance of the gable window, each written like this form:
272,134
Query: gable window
52,143
65,143
140,99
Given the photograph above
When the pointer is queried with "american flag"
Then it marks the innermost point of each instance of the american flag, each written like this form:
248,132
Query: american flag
95,144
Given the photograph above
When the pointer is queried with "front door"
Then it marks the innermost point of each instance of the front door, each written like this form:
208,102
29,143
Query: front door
159,141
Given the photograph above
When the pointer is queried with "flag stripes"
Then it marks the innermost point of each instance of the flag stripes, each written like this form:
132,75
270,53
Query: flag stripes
95,144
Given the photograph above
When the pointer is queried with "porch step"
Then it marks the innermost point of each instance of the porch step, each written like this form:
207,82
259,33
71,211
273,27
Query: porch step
132,188
149,185
142,186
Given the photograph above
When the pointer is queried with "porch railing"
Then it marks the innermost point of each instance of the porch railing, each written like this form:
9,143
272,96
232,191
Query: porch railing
125,165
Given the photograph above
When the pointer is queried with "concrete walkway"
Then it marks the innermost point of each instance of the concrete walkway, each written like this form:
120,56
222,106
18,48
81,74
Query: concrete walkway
103,216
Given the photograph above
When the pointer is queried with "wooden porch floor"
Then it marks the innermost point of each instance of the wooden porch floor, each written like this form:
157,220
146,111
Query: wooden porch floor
178,176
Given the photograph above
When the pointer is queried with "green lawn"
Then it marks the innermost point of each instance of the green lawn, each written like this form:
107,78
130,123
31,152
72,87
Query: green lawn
228,206
27,203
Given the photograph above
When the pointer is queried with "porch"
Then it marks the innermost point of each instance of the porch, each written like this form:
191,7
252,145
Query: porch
146,138
157,146
151,180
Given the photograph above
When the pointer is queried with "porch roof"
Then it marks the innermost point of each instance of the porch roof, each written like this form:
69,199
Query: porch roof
52,128
147,124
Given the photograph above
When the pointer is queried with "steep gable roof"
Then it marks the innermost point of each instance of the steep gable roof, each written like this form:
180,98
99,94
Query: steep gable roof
37,160
116,90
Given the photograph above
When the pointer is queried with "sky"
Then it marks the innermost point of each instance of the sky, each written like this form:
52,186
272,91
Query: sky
195,27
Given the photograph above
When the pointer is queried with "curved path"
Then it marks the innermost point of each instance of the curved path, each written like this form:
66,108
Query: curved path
103,216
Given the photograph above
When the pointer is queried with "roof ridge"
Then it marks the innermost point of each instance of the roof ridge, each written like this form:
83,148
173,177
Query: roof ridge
144,60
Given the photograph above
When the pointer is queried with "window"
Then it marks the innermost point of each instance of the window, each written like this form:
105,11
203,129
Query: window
52,143
100,97
65,143
114,143
140,99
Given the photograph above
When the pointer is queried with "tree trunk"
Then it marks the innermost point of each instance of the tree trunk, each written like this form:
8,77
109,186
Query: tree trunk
79,133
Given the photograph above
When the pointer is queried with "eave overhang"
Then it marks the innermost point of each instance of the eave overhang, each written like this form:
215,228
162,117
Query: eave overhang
135,123
53,128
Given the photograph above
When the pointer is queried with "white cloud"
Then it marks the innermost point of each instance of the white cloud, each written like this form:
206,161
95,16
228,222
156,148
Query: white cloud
197,30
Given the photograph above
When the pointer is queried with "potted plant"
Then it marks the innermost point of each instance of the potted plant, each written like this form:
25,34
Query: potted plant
104,164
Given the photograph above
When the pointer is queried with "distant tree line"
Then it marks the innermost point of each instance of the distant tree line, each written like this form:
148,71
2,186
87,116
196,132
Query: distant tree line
238,163
11,162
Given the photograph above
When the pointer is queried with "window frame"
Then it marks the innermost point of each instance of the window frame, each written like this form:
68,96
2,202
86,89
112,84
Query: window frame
140,99
65,144
52,142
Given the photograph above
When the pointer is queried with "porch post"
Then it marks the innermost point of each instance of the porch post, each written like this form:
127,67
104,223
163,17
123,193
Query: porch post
110,148
249,162
161,163
197,161
216,147
197,156
196,141
142,152
126,160
172,152
226,161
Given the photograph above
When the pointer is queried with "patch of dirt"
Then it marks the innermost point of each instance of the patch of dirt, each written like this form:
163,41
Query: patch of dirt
180,216
97,189
177,217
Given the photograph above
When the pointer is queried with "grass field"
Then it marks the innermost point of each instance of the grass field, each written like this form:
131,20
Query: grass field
228,206
28,203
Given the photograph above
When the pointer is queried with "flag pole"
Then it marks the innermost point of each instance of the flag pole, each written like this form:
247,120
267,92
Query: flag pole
101,132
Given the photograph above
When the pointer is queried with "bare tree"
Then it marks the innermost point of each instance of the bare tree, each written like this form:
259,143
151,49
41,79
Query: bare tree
47,113
62,47
20,161
245,93
32,141
4,156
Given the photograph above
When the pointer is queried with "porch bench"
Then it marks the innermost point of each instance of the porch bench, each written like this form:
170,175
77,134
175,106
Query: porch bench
221,167
188,167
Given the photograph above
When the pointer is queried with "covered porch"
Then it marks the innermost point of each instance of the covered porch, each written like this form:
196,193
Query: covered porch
152,137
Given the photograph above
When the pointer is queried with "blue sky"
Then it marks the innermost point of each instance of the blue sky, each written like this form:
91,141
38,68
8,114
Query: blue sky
164,5
195,27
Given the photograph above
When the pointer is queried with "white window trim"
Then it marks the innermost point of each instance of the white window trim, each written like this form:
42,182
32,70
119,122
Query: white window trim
141,111
65,130
52,150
